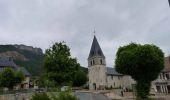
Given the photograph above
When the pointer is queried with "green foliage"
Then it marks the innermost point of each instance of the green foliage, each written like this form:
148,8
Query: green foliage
43,81
54,96
142,62
58,64
5,48
9,78
143,89
19,77
80,78
64,96
34,64
85,70
40,96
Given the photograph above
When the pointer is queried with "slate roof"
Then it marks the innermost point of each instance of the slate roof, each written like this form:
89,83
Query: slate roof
95,49
23,70
112,71
8,62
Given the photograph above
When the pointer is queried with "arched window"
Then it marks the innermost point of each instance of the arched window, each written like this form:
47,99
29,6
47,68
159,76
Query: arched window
101,62
93,62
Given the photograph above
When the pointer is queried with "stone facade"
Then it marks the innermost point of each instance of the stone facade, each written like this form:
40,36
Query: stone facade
162,83
100,76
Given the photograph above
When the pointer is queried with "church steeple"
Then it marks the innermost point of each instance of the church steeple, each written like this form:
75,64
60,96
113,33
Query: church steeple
95,49
96,56
96,67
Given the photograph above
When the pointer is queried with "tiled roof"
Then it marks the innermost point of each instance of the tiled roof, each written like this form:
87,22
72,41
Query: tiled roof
112,71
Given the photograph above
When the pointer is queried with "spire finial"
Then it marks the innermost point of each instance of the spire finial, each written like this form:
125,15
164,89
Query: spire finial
94,31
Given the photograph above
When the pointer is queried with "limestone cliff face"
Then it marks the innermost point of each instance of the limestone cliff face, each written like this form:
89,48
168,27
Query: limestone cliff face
26,56
14,54
29,48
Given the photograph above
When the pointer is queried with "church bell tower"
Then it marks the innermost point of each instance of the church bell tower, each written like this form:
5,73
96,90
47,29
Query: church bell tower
96,67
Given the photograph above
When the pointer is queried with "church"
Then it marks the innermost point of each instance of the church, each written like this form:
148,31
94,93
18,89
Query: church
101,76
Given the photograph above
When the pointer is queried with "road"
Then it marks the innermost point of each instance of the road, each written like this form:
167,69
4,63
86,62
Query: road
90,96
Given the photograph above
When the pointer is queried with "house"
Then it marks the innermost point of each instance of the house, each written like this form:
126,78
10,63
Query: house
100,76
162,83
7,62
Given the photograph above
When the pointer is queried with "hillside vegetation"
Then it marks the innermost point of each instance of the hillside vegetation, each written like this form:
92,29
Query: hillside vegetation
24,56
27,56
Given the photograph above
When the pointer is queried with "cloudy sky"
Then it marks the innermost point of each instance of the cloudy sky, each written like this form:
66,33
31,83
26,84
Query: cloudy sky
40,23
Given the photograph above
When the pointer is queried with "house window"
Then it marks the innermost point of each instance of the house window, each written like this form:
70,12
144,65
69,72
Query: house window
93,62
101,61
167,76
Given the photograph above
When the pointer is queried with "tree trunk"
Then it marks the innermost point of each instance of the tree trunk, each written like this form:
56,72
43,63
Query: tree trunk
143,89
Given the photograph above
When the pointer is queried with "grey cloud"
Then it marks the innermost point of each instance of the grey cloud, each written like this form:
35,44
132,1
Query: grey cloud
117,22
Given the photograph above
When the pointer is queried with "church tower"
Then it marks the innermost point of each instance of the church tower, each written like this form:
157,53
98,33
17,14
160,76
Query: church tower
96,67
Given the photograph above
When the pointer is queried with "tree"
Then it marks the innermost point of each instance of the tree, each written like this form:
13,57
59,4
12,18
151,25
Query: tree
143,63
59,66
9,78
80,78
43,81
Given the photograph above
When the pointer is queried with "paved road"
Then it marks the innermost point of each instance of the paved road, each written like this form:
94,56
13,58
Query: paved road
90,96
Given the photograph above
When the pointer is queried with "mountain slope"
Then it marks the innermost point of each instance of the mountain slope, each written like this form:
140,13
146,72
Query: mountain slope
27,56
24,56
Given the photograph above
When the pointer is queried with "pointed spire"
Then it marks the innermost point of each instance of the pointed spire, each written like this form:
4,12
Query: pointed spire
95,49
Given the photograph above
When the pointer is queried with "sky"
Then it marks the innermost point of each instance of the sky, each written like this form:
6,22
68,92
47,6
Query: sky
40,23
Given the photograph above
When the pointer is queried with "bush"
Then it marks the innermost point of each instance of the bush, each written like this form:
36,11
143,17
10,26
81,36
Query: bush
60,96
64,96
40,96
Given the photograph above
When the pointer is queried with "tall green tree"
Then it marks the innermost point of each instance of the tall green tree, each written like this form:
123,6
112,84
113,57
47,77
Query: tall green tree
143,63
59,66
80,78
10,78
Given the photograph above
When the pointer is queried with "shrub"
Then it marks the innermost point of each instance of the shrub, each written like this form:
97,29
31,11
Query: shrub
40,96
64,96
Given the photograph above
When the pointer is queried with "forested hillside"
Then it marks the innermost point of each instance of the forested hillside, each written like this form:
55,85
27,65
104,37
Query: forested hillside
24,56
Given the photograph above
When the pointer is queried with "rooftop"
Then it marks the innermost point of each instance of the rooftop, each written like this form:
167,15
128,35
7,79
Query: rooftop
112,71
95,49
8,62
